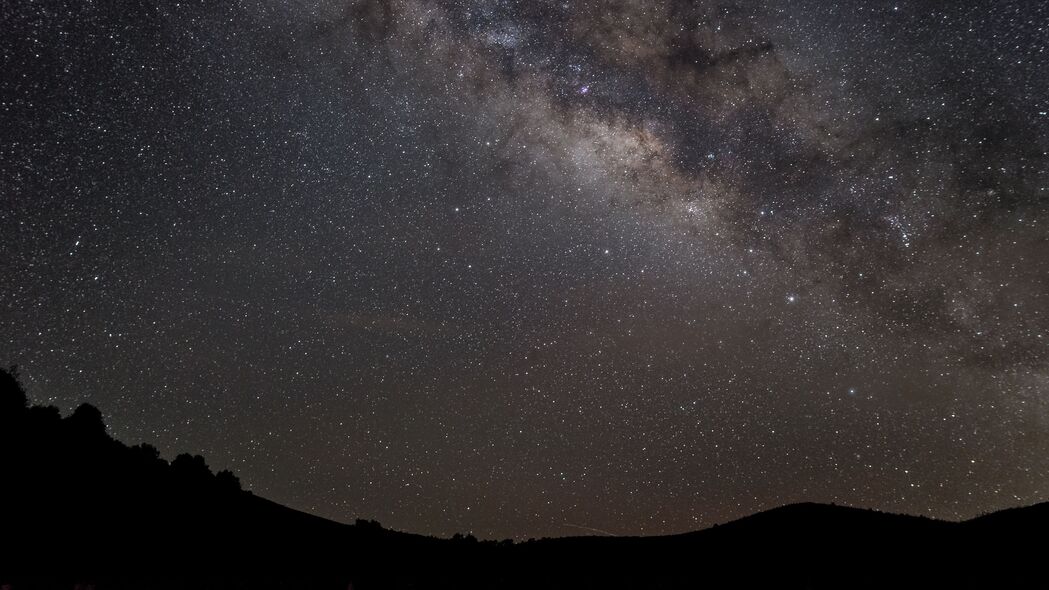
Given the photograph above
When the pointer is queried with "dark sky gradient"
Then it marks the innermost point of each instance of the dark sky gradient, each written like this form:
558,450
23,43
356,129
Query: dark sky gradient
529,268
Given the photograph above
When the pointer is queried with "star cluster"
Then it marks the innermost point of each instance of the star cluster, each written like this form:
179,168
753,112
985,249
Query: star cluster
527,267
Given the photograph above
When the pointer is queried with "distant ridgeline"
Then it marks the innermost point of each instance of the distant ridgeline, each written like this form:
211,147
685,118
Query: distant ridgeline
79,509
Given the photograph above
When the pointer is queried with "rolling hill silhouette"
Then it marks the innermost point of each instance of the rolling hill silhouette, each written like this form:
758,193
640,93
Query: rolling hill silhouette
81,510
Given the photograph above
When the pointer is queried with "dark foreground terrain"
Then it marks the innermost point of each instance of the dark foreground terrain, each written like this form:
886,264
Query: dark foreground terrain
81,510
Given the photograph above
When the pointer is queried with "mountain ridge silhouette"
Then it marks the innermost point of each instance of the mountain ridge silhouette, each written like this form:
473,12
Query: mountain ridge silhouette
81,509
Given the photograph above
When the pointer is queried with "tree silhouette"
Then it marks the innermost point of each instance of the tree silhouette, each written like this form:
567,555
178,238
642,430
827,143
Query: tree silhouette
13,400
87,421
227,481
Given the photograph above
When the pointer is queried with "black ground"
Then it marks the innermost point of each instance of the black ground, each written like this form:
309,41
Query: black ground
81,510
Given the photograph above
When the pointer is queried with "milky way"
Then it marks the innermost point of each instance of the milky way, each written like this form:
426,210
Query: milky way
532,268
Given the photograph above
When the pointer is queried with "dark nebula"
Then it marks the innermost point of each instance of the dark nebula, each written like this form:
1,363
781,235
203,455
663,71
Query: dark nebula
530,268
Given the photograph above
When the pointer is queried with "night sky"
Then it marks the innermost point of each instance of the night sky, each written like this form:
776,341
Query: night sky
530,268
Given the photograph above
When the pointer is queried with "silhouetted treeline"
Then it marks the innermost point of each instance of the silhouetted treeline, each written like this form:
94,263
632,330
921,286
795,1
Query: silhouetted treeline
70,472
79,508
74,500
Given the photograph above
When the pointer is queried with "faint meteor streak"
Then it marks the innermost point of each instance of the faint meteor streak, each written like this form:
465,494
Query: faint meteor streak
591,529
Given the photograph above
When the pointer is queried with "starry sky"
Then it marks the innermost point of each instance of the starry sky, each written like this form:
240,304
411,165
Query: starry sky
530,268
